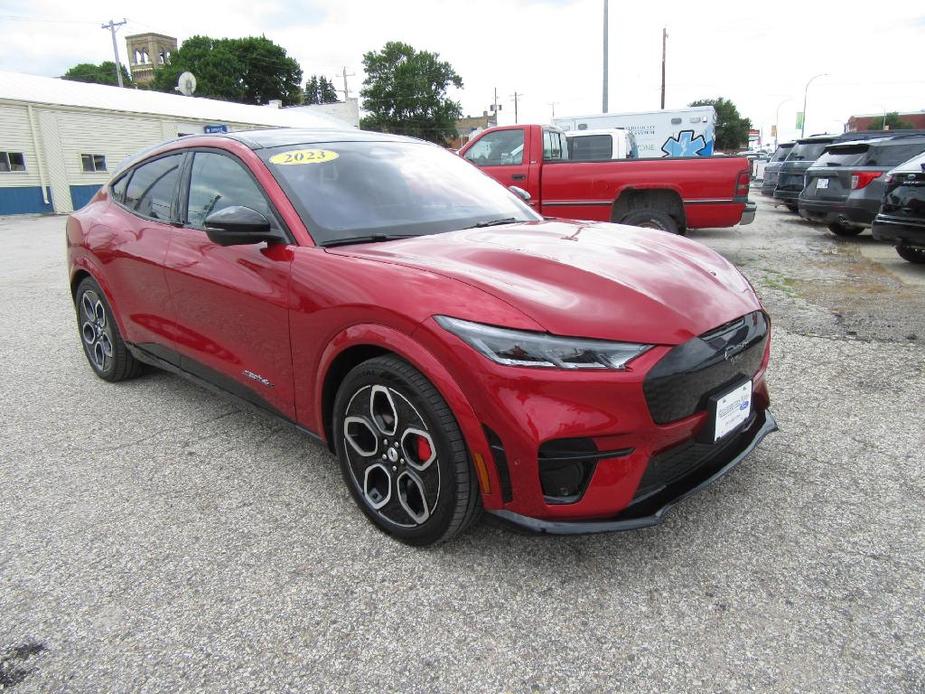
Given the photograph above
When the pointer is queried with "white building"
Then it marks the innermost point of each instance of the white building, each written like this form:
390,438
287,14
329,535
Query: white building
61,140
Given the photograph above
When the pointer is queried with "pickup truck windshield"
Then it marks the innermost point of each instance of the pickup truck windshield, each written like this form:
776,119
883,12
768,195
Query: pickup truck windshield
346,190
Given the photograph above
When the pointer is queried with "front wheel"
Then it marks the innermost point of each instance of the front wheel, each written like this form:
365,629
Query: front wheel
913,255
402,454
840,229
652,219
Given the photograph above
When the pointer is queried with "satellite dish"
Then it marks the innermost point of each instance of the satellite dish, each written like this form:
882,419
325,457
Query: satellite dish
186,85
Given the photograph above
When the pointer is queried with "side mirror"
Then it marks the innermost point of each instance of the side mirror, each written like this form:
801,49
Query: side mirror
237,225
520,193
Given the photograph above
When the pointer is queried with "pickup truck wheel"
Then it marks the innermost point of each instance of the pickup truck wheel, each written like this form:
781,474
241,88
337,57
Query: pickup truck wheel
402,454
651,219
840,229
913,255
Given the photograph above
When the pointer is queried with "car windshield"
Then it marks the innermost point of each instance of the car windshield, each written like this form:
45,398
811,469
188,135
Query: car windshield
806,151
347,190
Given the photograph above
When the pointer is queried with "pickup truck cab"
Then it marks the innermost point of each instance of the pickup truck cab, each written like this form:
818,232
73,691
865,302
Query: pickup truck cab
672,194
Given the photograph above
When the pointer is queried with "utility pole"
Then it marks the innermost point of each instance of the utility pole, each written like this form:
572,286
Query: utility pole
553,105
606,28
113,26
345,75
664,41
515,96
494,108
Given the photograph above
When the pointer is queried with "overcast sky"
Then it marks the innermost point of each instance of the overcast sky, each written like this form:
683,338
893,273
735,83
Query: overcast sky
758,54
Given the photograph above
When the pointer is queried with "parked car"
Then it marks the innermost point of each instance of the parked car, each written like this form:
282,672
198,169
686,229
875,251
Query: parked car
670,194
602,145
769,182
845,186
792,172
901,220
453,348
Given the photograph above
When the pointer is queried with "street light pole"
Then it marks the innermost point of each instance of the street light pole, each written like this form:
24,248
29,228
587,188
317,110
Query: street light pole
805,94
777,121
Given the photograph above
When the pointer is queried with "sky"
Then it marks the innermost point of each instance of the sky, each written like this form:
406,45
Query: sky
759,55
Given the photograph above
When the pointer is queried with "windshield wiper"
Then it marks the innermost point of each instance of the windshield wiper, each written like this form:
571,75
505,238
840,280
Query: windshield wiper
493,223
368,238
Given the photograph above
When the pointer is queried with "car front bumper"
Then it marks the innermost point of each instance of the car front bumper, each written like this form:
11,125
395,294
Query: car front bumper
652,510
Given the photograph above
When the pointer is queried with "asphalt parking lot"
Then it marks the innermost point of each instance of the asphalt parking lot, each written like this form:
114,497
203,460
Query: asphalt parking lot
156,537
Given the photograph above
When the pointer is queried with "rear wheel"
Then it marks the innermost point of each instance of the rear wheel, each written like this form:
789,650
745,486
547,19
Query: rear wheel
792,207
840,229
913,255
402,454
652,219
99,334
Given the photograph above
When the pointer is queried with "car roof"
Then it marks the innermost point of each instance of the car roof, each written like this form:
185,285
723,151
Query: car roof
282,137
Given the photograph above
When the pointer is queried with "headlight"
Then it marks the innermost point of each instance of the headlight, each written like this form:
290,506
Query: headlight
522,348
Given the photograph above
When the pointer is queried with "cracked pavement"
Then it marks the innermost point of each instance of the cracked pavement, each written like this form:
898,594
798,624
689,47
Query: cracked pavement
155,537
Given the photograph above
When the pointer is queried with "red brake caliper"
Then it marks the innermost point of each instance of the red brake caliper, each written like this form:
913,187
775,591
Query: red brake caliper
423,449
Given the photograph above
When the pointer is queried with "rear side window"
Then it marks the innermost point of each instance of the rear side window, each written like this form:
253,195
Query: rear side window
591,148
893,155
851,155
218,181
555,146
153,186
500,148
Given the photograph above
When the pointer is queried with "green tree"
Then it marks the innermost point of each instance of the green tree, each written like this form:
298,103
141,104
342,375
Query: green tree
731,128
405,92
892,121
104,73
249,70
319,90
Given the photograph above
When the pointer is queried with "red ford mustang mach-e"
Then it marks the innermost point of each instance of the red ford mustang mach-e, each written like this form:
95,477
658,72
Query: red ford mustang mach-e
455,350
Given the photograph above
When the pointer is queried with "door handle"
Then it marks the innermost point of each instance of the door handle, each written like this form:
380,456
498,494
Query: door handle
518,177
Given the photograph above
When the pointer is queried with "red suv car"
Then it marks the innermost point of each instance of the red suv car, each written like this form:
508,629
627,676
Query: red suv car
456,350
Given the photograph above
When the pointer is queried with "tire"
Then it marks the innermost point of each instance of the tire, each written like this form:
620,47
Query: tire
913,255
792,207
419,493
845,230
652,219
99,334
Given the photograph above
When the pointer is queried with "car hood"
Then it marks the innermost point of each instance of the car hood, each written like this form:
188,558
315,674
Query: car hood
588,279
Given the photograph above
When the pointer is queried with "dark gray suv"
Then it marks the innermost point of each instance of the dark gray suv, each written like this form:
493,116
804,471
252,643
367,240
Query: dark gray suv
793,169
845,186
772,168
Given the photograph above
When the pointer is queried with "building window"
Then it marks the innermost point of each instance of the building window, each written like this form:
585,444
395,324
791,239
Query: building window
12,161
93,162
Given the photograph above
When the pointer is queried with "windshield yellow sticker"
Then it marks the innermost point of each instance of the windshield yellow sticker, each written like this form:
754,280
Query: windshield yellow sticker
296,157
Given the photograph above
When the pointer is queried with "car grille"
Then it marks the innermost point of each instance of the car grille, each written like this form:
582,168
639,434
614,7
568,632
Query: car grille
680,383
794,182
675,463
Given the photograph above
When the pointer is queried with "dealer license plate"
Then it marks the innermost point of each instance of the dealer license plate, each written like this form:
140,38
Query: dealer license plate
822,183
732,409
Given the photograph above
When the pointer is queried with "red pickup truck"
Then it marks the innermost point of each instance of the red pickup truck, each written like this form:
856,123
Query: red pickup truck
672,194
